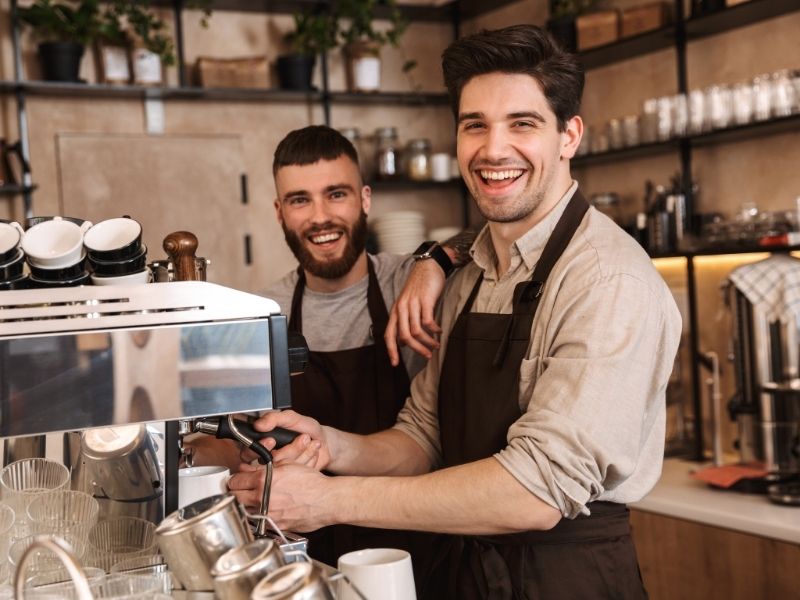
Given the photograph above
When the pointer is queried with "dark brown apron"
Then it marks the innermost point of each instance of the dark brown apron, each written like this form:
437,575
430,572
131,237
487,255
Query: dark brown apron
359,391
585,558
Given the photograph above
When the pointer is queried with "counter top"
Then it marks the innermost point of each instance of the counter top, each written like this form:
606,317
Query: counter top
679,495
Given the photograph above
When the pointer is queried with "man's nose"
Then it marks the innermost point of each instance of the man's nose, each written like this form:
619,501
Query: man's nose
495,146
319,212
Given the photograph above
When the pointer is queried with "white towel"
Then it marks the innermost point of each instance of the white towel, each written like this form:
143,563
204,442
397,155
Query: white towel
772,285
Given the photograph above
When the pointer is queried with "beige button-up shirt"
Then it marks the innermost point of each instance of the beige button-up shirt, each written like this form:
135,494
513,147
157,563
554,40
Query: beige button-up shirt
593,383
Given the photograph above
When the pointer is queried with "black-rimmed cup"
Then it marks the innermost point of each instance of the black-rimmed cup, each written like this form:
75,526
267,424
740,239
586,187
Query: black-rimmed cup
114,239
120,267
33,221
18,283
10,238
13,268
60,274
83,279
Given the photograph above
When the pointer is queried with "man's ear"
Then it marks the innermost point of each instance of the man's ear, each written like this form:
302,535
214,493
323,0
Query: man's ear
571,137
366,198
278,213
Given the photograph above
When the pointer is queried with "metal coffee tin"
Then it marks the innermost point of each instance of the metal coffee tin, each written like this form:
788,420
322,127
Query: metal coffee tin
194,537
295,581
238,571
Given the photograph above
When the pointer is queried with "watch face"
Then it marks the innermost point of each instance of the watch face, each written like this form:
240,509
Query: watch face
424,249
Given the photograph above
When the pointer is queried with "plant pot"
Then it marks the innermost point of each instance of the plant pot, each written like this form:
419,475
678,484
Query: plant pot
61,61
363,66
563,30
295,71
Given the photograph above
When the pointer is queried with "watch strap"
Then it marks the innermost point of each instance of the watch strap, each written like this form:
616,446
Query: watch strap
434,250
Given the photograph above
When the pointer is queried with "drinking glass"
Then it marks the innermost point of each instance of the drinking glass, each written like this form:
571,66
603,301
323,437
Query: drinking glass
782,94
6,524
155,565
65,513
718,106
649,124
742,97
118,539
679,108
664,118
762,97
25,480
697,113
630,130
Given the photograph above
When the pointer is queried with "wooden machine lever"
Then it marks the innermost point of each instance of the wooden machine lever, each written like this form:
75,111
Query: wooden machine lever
181,247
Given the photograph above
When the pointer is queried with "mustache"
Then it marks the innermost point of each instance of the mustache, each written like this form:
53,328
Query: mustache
322,227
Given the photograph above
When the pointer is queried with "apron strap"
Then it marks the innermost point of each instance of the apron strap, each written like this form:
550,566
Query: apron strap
528,293
296,314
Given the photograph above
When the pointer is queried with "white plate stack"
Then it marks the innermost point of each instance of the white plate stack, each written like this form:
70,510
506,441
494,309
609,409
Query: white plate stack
400,232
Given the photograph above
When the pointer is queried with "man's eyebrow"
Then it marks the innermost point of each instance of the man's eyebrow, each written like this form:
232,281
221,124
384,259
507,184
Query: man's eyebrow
338,186
527,114
469,116
295,194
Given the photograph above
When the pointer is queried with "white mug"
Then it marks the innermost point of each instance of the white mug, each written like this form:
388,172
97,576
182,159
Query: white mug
10,236
144,276
440,166
196,483
378,573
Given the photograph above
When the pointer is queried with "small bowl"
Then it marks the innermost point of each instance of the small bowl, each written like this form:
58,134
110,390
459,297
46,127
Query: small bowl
13,268
114,240
60,274
10,237
133,278
54,244
122,267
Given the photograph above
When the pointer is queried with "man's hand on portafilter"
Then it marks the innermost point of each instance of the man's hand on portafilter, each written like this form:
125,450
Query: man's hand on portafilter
411,321
298,451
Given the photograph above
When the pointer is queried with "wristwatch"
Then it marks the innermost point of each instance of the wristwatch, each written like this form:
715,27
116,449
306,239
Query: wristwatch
432,249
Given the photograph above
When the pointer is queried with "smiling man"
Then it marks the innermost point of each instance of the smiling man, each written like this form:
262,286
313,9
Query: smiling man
542,413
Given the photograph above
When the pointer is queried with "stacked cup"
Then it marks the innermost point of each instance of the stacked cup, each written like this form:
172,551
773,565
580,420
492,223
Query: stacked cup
12,258
116,252
54,251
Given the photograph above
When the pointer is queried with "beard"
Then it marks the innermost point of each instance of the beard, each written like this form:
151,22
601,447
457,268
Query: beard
518,208
336,267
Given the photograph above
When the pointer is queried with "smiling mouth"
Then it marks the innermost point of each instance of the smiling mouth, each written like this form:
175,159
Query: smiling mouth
502,177
325,238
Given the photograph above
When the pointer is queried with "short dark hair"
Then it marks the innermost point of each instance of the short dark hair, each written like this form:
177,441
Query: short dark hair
310,144
519,49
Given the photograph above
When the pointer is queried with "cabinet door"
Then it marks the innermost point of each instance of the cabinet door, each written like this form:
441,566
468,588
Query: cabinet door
682,560
168,183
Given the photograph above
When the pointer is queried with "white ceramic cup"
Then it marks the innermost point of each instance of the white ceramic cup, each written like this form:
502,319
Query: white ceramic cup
10,236
112,234
196,483
139,277
379,573
54,244
440,166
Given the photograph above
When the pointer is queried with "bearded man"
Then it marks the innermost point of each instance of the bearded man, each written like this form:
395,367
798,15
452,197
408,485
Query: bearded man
338,298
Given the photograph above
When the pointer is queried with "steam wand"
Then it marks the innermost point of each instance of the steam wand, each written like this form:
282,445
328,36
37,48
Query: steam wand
265,456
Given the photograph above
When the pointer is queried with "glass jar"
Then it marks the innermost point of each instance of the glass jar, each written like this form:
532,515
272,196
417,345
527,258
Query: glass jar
387,153
418,160
361,145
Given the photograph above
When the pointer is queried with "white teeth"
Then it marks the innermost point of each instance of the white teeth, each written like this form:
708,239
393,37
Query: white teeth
500,175
325,237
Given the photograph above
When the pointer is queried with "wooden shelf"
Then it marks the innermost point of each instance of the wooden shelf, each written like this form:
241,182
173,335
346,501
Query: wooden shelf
737,16
412,12
723,250
628,48
14,190
95,90
721,21
403,98
719,136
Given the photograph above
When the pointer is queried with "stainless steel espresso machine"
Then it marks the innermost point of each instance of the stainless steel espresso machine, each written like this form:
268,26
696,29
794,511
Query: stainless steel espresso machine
766,354
72,359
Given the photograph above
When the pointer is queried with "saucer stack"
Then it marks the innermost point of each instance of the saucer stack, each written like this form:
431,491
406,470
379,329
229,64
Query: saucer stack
54,252
116,252
12,258
400,232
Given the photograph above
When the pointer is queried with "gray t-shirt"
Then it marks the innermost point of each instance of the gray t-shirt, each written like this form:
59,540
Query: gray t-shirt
340,320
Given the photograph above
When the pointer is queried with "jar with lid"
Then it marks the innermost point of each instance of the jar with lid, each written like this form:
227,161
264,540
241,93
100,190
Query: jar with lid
387,153
362,146
418,159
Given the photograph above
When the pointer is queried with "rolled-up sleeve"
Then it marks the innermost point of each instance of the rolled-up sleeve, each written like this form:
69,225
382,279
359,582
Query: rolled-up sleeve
594,391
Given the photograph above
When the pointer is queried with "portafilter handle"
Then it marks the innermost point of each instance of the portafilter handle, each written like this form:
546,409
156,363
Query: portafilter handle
181,247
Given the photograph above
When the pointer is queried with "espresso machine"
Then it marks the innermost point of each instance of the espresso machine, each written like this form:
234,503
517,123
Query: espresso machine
766,355
74,359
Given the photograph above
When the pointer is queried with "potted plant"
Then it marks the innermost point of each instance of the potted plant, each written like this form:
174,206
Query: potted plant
312,35
362,42
561,23
64,30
